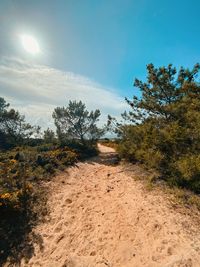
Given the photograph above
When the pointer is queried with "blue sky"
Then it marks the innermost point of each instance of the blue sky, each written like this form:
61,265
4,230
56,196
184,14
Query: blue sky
105,44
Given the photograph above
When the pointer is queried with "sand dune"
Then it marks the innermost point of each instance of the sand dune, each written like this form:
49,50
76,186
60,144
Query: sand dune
100,216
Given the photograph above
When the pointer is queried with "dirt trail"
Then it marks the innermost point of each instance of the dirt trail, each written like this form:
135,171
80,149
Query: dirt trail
100,216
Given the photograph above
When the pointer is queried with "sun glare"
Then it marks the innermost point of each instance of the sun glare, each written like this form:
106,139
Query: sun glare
30,44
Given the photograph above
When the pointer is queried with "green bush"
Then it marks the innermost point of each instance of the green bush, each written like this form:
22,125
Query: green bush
188,170
164,132
21,197
84,151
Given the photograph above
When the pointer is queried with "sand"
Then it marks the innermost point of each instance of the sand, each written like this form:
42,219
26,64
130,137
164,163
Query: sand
100,216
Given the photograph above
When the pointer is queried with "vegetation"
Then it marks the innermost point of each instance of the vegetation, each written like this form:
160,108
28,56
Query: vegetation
22,200
26,161
14,131
49,136
76,123
162,129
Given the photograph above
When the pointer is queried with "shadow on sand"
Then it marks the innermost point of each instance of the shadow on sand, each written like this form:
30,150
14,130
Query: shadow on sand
16,237
108,158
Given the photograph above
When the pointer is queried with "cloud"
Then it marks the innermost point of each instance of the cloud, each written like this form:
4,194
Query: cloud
35,90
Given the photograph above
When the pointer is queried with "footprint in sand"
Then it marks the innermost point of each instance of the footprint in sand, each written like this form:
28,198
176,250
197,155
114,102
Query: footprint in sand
68,201
59,238
49,237
58,227
182,263
169,251
68,263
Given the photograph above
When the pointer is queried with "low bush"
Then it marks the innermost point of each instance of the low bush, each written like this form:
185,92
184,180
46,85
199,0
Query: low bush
23,169
163,129
83,151
22,199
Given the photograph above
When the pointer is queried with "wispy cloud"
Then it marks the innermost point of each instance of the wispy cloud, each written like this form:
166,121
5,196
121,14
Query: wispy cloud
35,90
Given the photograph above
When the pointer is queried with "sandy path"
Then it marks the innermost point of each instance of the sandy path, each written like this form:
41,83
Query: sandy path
101,217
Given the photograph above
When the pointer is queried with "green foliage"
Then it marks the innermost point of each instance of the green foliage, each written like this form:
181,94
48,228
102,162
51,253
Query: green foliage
21,196
26,159
189,167
188,171
84,150
49,136
74,122
13,128
17,164
162,130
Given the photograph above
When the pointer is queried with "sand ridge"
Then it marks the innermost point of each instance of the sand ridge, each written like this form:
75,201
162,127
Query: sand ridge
100,216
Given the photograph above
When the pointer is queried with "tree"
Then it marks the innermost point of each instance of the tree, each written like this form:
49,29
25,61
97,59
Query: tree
74,122
13,128
162,128
49,136
162,92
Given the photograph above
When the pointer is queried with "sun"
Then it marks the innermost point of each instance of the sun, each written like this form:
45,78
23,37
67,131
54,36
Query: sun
30,44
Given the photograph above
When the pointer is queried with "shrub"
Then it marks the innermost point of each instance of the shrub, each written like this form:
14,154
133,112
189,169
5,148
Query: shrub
84,151
21,196
163,129
188,169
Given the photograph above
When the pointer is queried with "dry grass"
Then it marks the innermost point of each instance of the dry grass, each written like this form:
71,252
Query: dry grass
152,181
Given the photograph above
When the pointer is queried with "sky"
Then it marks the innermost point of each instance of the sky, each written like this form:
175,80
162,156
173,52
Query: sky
90,50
